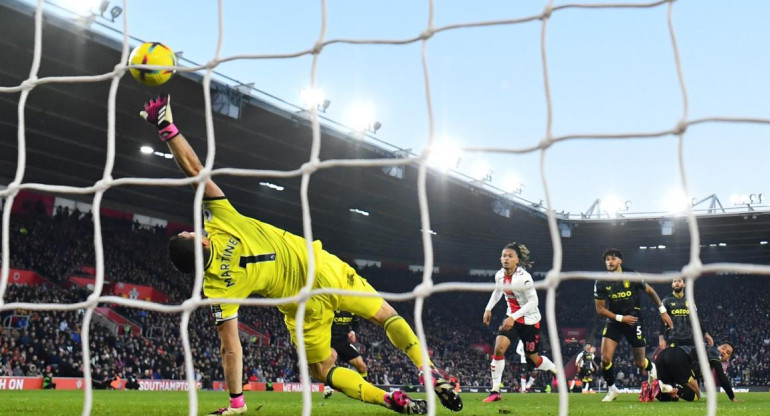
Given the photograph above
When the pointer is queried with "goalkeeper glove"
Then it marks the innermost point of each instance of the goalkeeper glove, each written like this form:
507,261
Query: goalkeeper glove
158,113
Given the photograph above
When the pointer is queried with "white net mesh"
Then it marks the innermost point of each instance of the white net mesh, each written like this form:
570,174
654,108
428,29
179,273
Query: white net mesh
691,272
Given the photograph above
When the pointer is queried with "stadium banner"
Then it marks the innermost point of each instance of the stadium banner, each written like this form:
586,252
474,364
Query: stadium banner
24,277
36,383
21,383
483,348
261,386
26,201
163,385
573,334
88,283
89,270
132,291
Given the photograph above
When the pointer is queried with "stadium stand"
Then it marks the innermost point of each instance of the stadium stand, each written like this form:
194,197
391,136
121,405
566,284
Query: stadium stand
57,246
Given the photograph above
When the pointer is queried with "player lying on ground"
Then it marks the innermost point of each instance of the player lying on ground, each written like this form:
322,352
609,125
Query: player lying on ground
243,256
678,371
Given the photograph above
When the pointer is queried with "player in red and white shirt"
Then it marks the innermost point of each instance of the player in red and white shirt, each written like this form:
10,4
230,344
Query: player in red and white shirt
523,317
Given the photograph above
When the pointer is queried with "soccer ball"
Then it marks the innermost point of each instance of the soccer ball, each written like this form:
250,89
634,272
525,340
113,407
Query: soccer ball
152,53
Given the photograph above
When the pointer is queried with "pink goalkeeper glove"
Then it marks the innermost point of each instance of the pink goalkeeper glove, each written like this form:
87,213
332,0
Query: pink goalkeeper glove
158,113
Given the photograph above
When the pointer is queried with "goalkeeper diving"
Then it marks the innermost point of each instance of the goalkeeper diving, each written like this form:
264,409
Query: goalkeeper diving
244,256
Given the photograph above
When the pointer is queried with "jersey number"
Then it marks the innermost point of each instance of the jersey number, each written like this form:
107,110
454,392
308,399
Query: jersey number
246,260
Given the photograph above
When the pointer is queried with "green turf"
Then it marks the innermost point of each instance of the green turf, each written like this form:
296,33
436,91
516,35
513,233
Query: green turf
130,403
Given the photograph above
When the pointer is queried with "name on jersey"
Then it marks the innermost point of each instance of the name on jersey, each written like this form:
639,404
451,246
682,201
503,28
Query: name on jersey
679,312
227,256
621,295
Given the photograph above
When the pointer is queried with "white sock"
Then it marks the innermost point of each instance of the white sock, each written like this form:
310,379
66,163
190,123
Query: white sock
571,385
665,388
497,367
530,382
546,365
586,385
523,385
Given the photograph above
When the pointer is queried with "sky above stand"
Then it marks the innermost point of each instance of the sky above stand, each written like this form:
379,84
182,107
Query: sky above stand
610,71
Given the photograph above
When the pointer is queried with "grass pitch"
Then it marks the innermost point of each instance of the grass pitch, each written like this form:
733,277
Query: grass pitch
135,403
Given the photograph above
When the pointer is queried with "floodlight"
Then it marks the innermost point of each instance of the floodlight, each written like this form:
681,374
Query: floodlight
444,156
361,116
373,127
314,97
115,12
146,150
324,105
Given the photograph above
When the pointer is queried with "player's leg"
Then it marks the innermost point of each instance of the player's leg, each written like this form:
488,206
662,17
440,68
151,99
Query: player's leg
635,337
530,336
317,334
401,335
328,390
524,366
339,274
609,344
532,376
359,364
497,366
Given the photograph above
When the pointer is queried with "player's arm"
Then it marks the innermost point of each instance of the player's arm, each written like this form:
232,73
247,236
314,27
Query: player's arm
493,299
692,383
158,113
724,381
601,309
600,303
354,325
662,309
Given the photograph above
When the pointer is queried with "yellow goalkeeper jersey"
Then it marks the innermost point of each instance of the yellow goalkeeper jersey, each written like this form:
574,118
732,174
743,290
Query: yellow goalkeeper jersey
250,257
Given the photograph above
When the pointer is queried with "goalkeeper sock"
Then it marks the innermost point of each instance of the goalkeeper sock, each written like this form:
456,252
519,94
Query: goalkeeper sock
353,385
497,367
237,400
647,364
401,335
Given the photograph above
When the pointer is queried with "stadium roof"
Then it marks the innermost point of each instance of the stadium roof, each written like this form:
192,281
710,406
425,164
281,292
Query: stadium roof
66,139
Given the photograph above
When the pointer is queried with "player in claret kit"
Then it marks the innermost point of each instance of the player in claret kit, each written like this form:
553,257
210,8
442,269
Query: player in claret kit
243,256
522,318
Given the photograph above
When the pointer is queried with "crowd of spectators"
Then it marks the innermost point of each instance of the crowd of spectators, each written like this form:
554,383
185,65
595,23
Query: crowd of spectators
33,343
